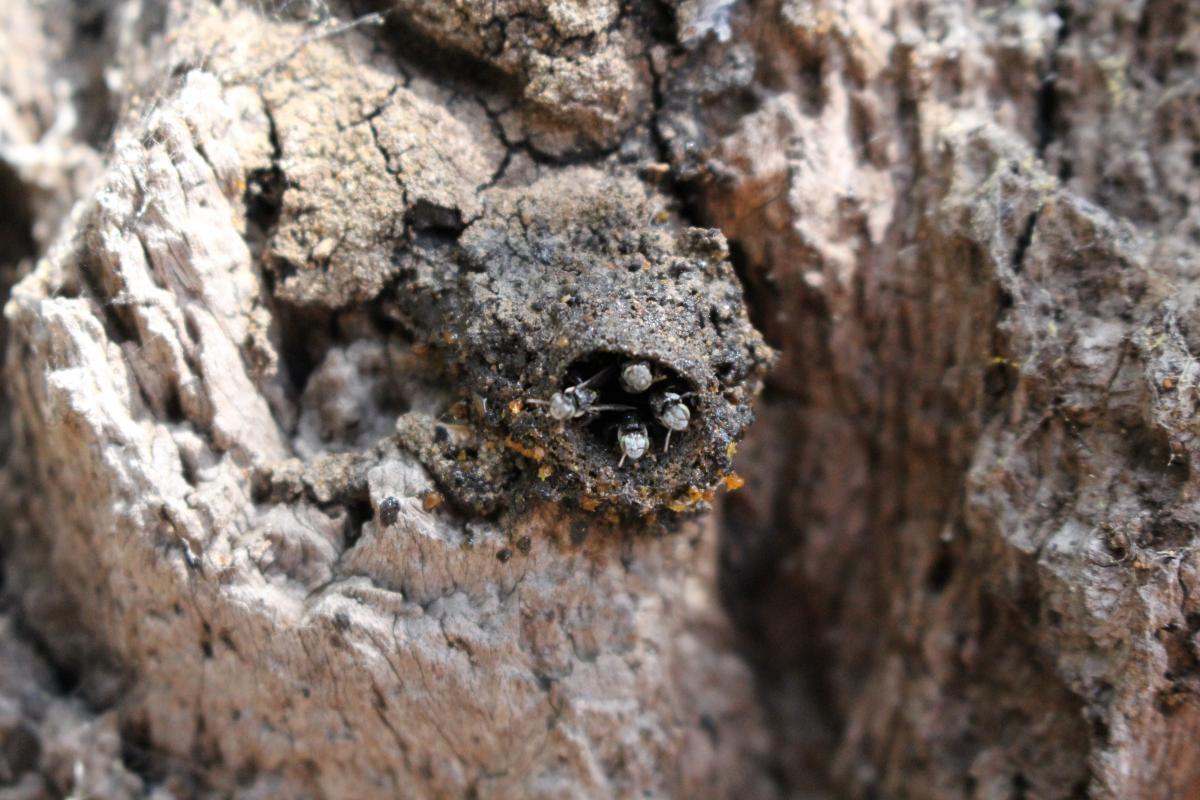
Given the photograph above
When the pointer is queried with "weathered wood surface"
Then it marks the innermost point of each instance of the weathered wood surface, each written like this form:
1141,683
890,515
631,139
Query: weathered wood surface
962,565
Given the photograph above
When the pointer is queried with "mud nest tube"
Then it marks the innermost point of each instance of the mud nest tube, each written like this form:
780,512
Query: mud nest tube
546,297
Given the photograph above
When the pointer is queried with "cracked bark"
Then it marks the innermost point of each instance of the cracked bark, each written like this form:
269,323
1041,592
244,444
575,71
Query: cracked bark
963,562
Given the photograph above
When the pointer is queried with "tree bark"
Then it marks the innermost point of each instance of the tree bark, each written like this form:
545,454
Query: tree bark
287,283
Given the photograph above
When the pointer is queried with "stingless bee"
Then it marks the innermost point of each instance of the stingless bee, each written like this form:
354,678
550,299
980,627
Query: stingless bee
577,401
632,439
671,412
636,377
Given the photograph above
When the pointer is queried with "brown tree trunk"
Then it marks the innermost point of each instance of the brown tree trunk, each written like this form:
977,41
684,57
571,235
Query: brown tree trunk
287,282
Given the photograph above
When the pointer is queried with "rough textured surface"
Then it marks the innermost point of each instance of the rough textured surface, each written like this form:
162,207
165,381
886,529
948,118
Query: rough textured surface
52,745
579,80
288,609
968,566
238,562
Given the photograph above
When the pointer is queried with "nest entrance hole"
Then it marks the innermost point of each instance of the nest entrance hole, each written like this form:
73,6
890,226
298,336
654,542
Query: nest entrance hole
602,372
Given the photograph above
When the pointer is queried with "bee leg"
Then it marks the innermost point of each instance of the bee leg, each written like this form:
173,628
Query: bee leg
667,443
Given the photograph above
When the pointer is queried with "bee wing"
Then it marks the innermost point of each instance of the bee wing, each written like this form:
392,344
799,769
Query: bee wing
598,376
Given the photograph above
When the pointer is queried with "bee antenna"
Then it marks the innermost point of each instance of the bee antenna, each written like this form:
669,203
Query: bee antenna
602,373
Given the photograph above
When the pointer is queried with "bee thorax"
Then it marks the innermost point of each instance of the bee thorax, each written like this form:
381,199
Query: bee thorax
670,411
584,397
636,377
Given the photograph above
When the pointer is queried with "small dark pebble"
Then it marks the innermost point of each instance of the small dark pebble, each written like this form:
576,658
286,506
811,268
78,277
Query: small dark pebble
389,510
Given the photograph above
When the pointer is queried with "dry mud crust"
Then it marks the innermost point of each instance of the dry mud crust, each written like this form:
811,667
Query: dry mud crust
521,290
577,70
391,198
565,282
